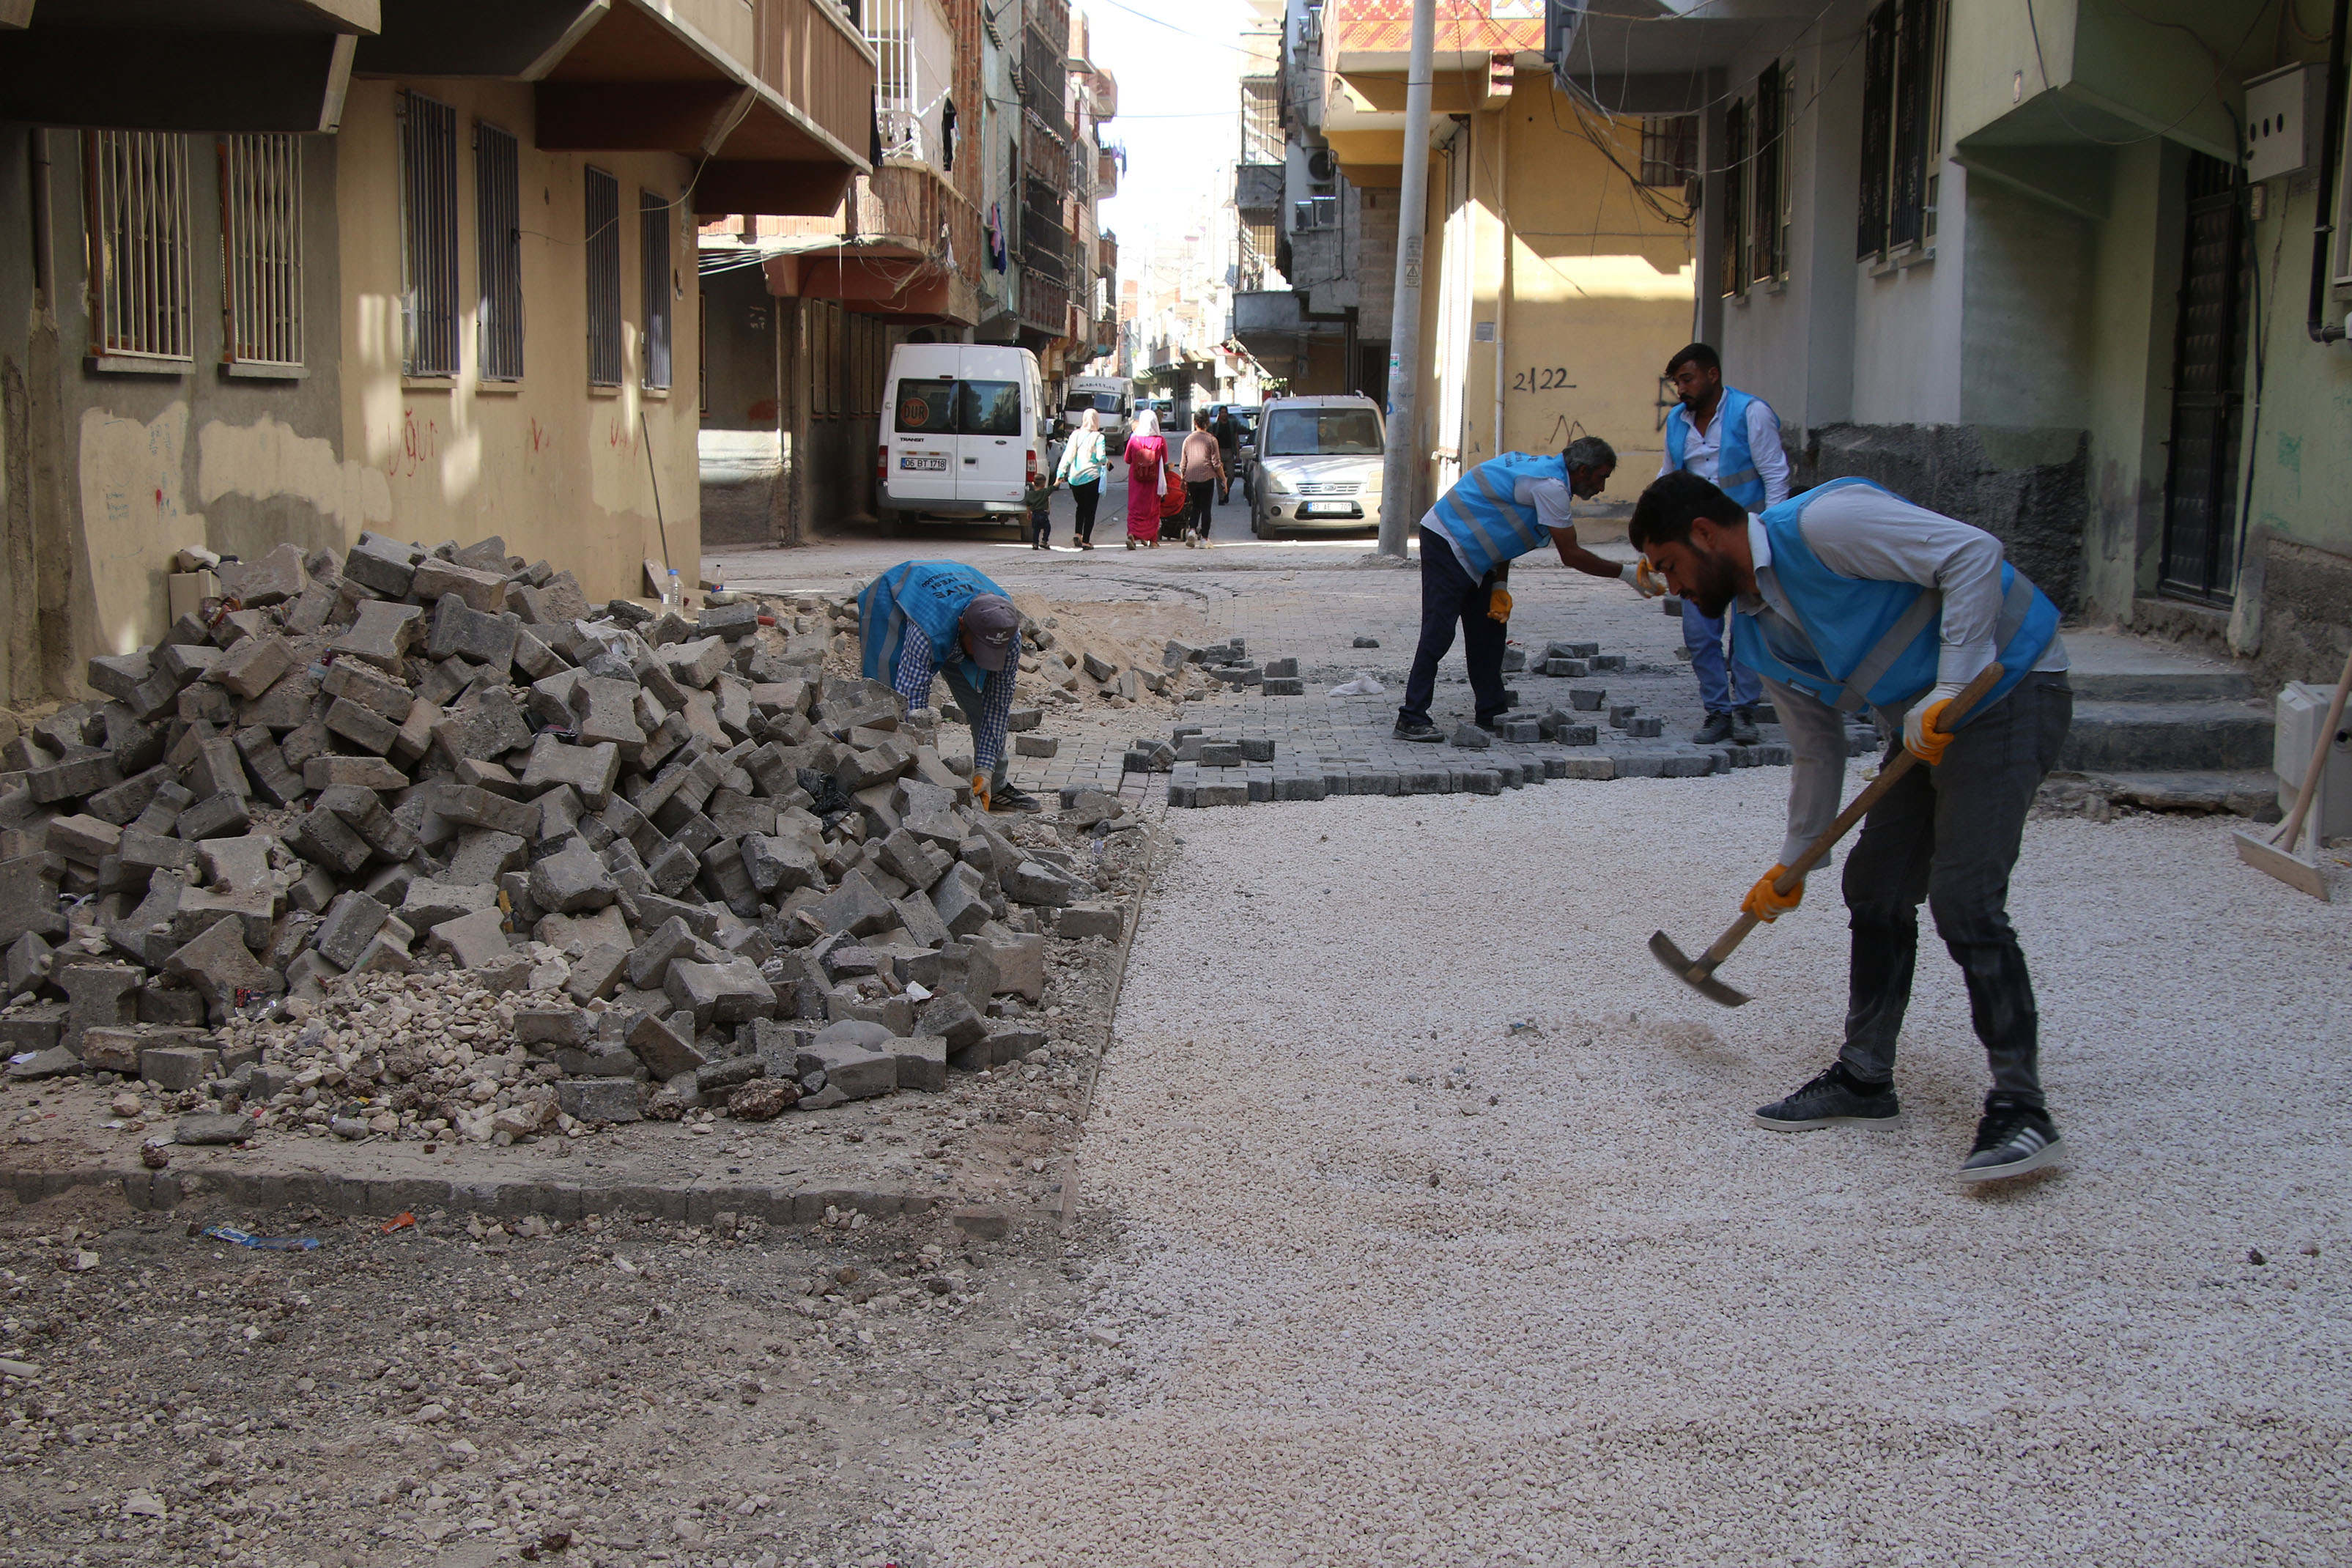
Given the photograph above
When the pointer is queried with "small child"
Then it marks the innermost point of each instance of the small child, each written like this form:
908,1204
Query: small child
1039,495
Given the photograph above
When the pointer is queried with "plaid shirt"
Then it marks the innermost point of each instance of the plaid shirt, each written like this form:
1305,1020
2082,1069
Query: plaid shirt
913,682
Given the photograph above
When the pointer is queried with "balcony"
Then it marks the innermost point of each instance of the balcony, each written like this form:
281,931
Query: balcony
1258,187
1044,303
196,65
1106,173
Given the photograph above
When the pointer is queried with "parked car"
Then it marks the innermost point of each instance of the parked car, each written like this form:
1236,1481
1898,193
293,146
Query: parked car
1317,464
965,427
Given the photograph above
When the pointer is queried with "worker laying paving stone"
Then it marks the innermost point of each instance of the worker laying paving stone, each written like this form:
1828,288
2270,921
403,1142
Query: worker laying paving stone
338,862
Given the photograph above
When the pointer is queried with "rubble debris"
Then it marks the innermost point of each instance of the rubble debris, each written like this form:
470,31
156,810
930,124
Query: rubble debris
420,844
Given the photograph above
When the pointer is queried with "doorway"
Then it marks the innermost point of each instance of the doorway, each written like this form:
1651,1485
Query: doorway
2208,368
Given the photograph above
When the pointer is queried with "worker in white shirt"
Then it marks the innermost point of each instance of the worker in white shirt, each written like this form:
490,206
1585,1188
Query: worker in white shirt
1732,440
1850,598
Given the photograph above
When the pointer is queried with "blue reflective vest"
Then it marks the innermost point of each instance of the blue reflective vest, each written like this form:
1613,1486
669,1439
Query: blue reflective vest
1869,640
1482,516
1735,465
930,595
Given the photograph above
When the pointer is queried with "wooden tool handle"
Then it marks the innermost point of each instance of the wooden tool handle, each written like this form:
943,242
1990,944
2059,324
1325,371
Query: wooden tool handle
1955,712
1736,934
2293,828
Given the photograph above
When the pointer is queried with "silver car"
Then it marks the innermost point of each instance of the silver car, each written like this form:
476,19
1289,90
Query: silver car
1317,465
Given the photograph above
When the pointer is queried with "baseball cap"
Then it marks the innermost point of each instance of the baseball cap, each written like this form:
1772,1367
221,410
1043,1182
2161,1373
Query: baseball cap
994,628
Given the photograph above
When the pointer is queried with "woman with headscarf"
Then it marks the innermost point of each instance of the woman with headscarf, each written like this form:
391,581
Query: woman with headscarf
1147,465
1082,471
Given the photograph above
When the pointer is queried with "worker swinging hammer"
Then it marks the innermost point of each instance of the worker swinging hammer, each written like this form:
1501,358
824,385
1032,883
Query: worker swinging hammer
1849,597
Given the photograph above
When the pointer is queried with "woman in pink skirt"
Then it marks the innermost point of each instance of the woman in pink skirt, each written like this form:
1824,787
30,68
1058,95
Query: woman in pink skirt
1147,460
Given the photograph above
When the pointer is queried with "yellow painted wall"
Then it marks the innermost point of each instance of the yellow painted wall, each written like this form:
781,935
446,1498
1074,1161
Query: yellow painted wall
1594,290
556,468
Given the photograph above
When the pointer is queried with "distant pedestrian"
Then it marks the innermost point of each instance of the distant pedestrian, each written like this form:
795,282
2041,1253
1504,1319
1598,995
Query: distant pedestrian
1146,468
1733,441
1203,466
1227,429
1082,470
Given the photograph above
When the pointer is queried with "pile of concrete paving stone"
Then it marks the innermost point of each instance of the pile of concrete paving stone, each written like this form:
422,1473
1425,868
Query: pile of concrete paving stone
420,842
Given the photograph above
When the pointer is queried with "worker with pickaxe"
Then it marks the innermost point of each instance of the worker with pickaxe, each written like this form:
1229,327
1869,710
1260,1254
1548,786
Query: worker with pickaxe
1848,596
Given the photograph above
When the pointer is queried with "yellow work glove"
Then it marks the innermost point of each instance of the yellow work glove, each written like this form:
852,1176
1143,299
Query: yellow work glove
1923,735
1767,903
979,790
1642,578
1498,604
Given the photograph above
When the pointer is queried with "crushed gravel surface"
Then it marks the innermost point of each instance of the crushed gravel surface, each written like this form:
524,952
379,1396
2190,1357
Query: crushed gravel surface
1448,1238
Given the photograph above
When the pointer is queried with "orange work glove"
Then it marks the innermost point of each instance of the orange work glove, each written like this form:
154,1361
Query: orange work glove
1642,578
979,790
1924,735
1768,904
1498,604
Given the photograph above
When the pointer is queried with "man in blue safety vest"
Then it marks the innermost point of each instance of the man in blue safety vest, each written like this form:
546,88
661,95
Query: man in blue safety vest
922,618
1496,512
1733,441
1850,598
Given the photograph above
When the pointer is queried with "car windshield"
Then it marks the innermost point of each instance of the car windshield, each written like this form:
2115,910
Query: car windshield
1100,402
1322,433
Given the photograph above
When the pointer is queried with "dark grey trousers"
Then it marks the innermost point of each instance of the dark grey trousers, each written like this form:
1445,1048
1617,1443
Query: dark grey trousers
1948,834
967,698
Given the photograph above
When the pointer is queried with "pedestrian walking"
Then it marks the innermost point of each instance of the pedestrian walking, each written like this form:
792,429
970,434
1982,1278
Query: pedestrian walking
1850,596
1082,470
1147,470
1039,492
926,618
1732,440
1496,512
1227,429
1202,464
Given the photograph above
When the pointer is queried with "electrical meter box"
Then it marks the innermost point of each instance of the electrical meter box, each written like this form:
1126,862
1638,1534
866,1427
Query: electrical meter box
2302,709
2283,121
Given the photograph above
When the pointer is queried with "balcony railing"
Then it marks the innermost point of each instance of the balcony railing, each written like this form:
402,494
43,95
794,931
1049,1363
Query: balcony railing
1045,302
805,50
915,205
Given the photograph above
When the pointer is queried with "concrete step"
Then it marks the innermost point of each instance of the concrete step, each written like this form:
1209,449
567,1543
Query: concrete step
2250,794
2135,737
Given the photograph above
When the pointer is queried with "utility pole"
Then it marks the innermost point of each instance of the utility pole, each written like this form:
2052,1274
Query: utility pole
1403,458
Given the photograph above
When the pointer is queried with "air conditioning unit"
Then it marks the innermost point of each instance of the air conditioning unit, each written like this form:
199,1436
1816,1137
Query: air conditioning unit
2302,709
1326,211
1302,214
1321,167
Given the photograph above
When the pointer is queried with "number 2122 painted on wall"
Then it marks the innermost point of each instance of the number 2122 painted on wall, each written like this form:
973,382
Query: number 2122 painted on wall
1542,379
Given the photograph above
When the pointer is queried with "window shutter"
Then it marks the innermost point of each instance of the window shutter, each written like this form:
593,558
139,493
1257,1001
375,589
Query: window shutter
1877,127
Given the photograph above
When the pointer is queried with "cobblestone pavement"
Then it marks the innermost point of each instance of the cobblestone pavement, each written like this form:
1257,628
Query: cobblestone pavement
1312,599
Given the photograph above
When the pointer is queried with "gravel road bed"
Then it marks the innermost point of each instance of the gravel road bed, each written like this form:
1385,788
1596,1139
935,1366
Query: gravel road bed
1410,1285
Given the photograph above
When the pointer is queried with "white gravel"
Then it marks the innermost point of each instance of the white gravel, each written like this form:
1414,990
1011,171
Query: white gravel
1624,1326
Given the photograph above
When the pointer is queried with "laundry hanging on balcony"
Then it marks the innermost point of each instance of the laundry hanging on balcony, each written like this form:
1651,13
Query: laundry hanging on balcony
997,258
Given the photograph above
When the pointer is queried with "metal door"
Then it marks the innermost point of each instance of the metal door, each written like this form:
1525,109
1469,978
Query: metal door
2208,358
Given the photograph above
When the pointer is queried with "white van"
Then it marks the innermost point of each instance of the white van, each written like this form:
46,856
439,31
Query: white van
1112,398
963,431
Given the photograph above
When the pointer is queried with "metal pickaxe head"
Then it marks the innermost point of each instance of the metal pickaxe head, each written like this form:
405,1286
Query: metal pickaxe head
1700,976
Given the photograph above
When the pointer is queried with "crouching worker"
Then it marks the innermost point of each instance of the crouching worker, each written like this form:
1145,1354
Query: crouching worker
1849,596
922,618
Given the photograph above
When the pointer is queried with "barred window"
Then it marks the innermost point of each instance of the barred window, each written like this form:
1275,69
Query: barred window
603,257
1768,224
498,252
428,221
653,235
261,243
137,202
1261,120
1669,149
1901,126
1732,219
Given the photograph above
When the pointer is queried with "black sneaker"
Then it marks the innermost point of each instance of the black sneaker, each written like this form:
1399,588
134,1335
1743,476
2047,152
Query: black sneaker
1009,798
1834,1097
1417,730
1743,732
1715,731
2012,1139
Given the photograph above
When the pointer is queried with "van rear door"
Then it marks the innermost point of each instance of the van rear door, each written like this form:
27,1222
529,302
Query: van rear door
991,431
921,435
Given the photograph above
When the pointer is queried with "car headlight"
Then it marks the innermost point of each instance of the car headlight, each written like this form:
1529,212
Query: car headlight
1278,483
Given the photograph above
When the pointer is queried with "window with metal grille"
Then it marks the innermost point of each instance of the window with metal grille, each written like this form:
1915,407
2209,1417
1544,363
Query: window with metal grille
428,223
261,246
1768,223
653,234
137,202
498,252
603,253
1901,126
1262,119
1732,217
1669,149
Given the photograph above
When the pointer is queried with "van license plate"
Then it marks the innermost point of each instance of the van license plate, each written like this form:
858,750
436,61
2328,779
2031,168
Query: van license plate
931,462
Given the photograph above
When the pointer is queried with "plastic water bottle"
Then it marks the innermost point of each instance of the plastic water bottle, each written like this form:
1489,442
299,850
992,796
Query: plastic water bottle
676,599
718,576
